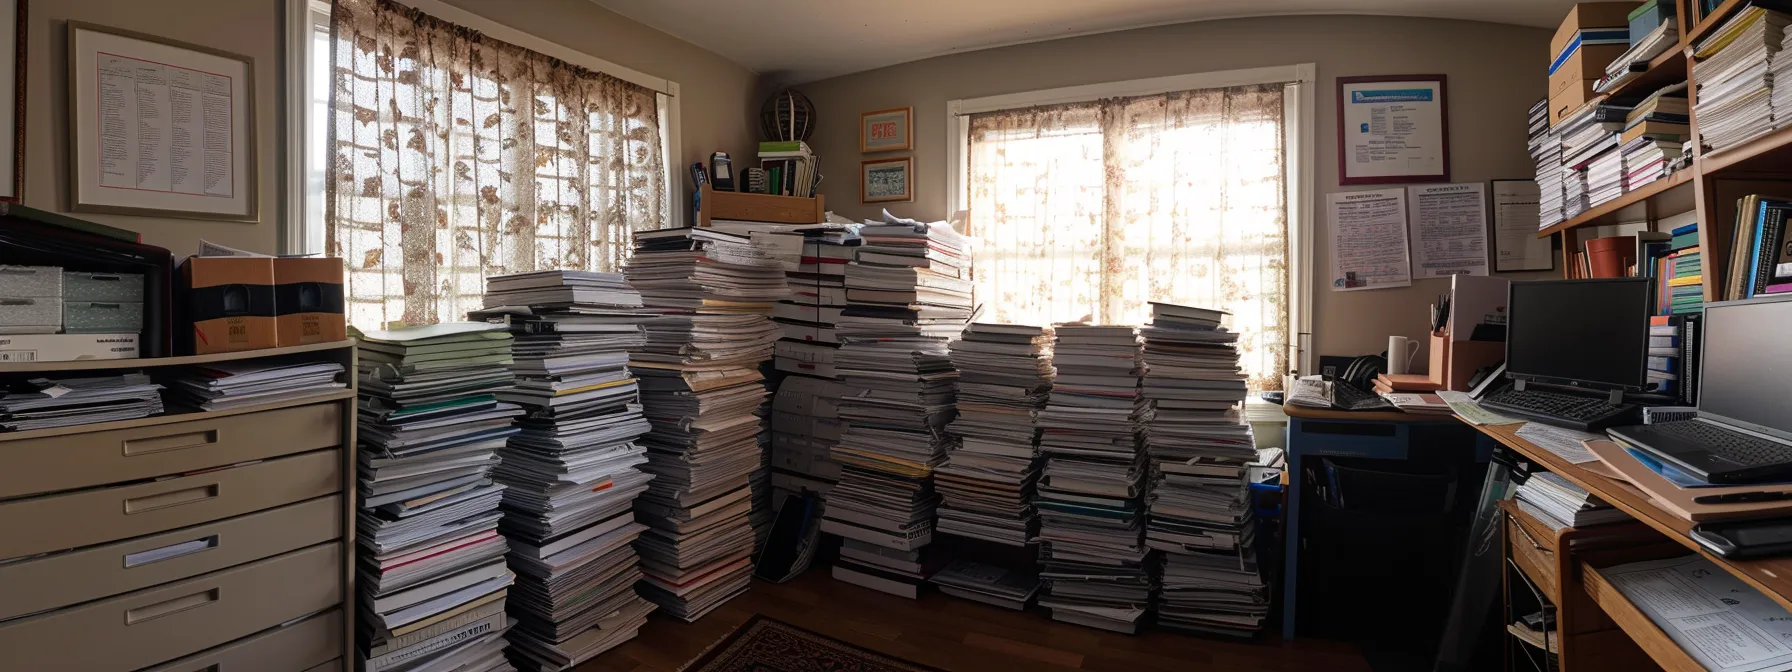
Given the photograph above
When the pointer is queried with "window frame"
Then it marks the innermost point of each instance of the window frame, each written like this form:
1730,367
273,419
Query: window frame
1299,113
302,16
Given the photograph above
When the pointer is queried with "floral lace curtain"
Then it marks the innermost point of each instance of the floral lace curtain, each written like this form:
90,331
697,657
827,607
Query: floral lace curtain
1092,210
454,156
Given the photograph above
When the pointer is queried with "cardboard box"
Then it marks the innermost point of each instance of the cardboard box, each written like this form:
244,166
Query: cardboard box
1590,15
225,304
1583,68
1568,102
67,347
308,301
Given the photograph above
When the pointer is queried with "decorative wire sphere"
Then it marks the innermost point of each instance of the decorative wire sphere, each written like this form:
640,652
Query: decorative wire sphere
787,115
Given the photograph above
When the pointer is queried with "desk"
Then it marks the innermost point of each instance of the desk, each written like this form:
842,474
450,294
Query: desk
1313,432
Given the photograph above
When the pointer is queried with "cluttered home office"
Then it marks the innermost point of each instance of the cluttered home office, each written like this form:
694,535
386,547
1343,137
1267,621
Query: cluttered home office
804,335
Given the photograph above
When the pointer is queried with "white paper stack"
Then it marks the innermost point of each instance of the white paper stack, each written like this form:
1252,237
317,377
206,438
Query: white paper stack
702,390
1605,177
63,402
1546,152
805,413
1733,68
571,474
987,484
430,553
1647,160
1091,498
224,385
1200,513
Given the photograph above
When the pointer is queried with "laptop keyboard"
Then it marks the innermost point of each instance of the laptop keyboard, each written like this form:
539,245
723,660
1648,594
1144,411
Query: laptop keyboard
1734,446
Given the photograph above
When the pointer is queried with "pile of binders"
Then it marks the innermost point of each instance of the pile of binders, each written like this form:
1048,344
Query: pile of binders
1091,499
433,578
987,484
1200,451
571,473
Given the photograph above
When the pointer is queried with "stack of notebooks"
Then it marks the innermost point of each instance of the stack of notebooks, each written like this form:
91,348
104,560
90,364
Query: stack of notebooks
571,474
1558,503
1546,152
1761,248
1004,377
908,294
62,402
1200,450
1605,177
1655,132
1391,383
1733,67
225,385
1590,151
1091,498
432,574
805,412
701,390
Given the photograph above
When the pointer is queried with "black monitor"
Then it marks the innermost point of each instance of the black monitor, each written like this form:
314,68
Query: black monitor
1587,333
1742,364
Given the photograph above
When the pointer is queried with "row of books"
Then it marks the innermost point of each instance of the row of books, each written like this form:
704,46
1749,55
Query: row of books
1760,248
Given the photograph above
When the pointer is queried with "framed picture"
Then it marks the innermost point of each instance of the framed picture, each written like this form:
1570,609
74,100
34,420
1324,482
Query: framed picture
13,30
887,180
159,127
887,130
1393,129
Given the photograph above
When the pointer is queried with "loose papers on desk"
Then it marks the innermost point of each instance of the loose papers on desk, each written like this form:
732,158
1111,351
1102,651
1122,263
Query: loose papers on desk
1471,410
1565,443
1721,622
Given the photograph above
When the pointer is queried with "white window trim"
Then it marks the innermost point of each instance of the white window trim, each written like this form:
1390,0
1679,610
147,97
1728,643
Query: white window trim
297,35
1299,113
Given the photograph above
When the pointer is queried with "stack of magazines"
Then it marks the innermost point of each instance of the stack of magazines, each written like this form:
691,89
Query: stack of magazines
1734,70
987,484
1546,152
225,385
42,403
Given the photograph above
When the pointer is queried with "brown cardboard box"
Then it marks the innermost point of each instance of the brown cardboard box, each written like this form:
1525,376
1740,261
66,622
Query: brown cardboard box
226,304
1584,68
1567,103
308,302
1590,15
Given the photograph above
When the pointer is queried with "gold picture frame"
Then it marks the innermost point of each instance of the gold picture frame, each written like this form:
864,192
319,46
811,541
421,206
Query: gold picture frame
878,179
887,130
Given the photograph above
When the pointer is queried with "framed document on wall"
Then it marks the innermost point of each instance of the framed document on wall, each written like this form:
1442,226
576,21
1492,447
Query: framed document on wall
1393,129
158,127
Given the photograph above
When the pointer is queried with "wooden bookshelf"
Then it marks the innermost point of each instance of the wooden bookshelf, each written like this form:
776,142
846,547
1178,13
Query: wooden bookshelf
1710,22
1665,69
759,207
1671,194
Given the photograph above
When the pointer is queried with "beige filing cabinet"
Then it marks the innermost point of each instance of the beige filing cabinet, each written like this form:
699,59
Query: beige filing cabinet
191,541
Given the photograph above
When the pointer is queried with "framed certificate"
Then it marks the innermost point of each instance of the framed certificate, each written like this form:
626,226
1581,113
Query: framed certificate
1393,129
158,127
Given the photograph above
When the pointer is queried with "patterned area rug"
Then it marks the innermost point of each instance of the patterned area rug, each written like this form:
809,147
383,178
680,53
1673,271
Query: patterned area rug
765,644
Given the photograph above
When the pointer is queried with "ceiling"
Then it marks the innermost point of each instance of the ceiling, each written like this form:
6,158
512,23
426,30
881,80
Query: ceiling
797,41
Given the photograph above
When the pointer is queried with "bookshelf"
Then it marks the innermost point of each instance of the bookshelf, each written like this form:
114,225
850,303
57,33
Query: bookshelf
759,207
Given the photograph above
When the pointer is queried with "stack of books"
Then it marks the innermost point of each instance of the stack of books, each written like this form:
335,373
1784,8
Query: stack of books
1655,133
908,294
1761,250
1556,502
987,484
433,579
1200,448
571,473
1091,498
701,390
791,169
805,413
1733,67
1546,151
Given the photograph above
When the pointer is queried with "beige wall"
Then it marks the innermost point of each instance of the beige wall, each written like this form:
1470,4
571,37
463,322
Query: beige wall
1495,73
716,93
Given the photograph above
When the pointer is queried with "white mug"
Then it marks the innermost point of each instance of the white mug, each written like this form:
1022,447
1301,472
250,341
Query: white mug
1400,353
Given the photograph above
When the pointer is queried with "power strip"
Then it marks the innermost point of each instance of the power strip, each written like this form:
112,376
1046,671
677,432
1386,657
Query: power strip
1653,415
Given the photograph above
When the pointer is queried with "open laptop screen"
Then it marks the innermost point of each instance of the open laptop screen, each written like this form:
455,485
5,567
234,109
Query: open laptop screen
1745,365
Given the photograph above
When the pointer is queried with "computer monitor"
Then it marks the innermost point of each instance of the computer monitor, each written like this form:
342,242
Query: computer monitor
1586,333
1744,351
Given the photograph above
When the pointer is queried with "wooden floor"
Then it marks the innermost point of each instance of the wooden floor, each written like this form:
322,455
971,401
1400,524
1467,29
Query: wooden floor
961,636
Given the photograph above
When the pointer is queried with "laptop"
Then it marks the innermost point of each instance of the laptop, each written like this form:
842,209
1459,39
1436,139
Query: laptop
1743,432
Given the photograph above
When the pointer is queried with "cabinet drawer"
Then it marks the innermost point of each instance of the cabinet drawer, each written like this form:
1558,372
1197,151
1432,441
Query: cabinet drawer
160,624
1534,558
103,571
69,520
332,666
299,647
85,460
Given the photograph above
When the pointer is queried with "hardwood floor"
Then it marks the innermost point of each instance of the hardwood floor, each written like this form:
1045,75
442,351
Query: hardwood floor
961,636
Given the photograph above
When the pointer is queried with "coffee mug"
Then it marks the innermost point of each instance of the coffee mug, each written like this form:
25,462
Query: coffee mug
1400,353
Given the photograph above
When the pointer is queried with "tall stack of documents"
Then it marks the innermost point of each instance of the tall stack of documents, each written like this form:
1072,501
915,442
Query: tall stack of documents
43,403
805,412
433,579
908,294
701,390
224,385
1546,152
571,474
987,484
1200,448
1091,498
1734,71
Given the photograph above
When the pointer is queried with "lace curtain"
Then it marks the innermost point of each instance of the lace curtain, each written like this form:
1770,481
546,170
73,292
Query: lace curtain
1092,210
454,156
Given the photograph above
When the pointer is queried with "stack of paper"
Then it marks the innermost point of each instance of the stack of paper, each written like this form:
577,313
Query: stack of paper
908,294
1557,502
224,385
987,484
42,403
1605,177
1635,60
701,389
1200,449
571,474
805,414
1091,497
430,553
1733,68
989,584
1654,133
1546,151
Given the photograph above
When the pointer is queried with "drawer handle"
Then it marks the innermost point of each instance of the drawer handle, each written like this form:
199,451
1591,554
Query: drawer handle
170,552
170,607
167,499
1533,540
157,444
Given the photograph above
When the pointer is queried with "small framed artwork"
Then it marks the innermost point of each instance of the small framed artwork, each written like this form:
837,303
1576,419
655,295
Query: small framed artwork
887,130
887,180
1393,129
159,127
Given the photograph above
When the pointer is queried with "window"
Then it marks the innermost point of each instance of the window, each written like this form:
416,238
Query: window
455,153
1088,207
